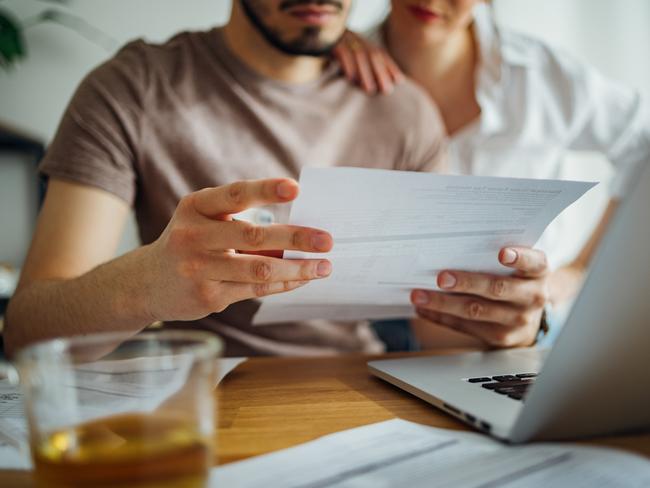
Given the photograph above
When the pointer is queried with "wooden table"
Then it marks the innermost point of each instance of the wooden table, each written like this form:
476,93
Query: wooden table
268,404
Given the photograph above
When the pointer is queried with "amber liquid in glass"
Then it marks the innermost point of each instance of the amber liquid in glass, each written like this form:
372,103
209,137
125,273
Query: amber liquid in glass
126,451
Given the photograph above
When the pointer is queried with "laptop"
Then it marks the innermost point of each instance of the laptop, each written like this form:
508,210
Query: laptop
596,378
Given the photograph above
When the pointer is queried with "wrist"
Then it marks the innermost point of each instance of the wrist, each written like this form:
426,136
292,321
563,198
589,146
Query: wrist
564,283
544,325
135,291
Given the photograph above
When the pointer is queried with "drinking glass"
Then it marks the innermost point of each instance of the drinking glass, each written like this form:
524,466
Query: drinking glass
111,410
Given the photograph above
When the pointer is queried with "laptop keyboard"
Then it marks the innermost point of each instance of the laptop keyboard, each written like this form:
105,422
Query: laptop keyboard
512,385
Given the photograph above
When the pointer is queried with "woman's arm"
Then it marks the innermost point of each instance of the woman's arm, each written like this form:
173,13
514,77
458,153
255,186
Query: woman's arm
565,282
603,116
607,117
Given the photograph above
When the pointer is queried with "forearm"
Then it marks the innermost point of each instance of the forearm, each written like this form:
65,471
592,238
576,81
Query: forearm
189,272
111,297
565,283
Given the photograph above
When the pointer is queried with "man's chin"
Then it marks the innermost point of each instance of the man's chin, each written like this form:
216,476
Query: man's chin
311,42
305,50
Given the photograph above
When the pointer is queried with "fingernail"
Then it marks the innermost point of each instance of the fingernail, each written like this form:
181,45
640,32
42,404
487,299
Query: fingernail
446,281
509,256
420,297
285,189
320,242
324,268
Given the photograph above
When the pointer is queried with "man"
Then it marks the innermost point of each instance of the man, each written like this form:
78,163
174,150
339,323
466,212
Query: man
255,99
156,124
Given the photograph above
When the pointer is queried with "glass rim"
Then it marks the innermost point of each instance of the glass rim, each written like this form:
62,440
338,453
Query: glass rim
207,344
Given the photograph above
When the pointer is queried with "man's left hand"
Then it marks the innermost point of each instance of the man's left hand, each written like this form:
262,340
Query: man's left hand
502,311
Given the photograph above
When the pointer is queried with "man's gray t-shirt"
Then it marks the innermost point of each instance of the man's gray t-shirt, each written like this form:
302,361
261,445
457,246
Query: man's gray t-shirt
157,122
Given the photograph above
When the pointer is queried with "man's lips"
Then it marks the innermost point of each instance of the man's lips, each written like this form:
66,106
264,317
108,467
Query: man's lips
424,14
314,15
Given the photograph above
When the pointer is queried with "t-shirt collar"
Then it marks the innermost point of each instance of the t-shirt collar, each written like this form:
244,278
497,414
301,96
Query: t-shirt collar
221,47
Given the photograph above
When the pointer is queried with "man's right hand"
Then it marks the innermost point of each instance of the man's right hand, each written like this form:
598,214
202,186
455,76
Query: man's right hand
194,266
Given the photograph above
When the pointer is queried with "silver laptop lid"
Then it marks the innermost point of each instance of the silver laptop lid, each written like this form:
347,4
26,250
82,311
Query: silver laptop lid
597,377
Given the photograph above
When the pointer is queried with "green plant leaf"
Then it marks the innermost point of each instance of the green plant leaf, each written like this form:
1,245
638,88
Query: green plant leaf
12,45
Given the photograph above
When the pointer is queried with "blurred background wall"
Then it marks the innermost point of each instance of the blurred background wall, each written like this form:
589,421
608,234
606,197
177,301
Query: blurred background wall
612,35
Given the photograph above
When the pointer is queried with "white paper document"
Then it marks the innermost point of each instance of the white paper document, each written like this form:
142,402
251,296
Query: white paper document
395,230
397,453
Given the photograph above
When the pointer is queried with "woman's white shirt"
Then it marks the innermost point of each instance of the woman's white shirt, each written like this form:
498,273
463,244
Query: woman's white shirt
537,104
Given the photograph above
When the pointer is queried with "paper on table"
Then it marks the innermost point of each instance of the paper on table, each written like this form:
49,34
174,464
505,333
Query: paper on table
226,365
13,429
394,230
401,453
12,458
107,389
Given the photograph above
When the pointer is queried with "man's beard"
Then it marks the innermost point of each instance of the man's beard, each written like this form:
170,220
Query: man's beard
307,44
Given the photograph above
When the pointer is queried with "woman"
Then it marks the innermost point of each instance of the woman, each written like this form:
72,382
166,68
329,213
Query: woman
512,106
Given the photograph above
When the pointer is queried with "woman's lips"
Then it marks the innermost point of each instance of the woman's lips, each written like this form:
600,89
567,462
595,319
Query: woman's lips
423,14
313,15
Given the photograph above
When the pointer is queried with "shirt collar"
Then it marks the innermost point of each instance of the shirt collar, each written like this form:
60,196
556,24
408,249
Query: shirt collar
487,39
497,54
493,49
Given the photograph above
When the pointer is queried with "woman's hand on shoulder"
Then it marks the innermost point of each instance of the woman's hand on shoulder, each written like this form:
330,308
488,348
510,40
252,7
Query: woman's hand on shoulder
367,65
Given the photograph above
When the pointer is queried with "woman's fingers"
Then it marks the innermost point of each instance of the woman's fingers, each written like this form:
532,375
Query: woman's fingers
366,64
394,70
364,68
380,69
343,53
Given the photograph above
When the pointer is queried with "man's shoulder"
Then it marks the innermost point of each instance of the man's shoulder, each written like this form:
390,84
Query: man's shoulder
164,55
406,122
409,105
411,94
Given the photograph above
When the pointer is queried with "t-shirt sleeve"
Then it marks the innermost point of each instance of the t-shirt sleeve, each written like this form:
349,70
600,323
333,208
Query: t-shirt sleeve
98,138
426,147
